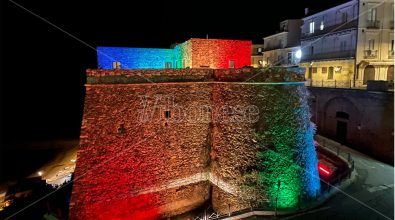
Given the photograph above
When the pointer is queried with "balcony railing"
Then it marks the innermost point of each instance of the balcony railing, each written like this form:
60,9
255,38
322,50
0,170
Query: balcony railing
355,84
329,55
370,54
374,24
332,28
336,83
391,54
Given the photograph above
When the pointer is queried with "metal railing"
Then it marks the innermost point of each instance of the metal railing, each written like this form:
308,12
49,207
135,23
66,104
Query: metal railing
329,55
370,54
335,147
336,83
373,24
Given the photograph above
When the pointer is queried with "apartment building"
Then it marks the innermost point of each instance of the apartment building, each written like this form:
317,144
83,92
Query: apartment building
281,49
349,44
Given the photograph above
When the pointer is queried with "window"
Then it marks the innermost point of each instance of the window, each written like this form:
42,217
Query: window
167,64
259,49
312,50
392,45
322,25
167,114
116,65
312,27
314,70
343,45
371,44
344,17
324,69
372,14
121,129
231,64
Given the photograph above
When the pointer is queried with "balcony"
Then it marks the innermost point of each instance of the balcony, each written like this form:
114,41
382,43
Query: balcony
373,24
354,84
332,28
370,54
391,54
329,55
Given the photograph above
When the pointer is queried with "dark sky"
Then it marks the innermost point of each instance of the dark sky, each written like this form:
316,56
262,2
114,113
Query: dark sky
43,69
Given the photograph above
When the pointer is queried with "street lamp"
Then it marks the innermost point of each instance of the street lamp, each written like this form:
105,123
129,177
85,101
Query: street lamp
298,54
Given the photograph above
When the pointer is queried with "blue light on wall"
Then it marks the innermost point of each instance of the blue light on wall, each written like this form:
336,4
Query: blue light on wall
135,58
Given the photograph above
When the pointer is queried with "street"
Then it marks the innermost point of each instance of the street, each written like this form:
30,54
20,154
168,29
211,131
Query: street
370,196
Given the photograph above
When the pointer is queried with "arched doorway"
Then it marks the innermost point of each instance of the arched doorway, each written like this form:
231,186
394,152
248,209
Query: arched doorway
390,73
341,126
368,74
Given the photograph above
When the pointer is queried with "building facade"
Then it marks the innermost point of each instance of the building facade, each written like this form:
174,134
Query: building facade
347,45
257,56
375,42
281,49
194,53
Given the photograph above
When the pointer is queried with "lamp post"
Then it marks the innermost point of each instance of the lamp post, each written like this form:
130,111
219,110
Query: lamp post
278,189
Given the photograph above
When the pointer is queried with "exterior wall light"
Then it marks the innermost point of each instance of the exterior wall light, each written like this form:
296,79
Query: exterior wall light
298,54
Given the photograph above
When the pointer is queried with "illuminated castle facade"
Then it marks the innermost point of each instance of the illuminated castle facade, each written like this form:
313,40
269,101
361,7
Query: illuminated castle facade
194,53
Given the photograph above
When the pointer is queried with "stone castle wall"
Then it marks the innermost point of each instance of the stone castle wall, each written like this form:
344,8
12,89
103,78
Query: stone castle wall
163,149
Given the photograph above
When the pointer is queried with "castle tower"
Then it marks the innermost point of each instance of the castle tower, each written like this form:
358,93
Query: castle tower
163,142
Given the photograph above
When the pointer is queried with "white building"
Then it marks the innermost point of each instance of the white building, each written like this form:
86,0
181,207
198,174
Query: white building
347,45
281,49
257,56
375,50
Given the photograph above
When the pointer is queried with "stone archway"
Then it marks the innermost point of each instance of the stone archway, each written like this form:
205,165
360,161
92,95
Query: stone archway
368,74
390,73
341,115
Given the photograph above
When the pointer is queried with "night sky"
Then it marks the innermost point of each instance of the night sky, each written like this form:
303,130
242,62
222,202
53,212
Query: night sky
43,69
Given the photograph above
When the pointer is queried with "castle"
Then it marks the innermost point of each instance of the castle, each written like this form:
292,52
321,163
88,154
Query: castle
194,53
161,142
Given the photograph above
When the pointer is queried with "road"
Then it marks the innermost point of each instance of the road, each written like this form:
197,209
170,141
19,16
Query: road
370,196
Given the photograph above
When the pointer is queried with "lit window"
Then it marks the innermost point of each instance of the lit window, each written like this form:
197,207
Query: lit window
260,50
312,23
322,25
167,64
116,65
231,64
